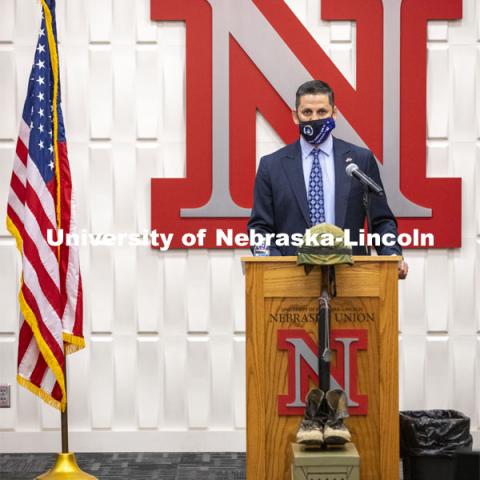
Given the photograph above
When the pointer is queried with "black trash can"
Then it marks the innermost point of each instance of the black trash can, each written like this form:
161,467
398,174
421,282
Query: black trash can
429,440
467,465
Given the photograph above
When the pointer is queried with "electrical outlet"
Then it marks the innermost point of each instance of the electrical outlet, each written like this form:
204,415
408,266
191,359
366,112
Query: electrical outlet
4,396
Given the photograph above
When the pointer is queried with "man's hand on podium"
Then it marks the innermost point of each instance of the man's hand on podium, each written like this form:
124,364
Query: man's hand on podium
402,269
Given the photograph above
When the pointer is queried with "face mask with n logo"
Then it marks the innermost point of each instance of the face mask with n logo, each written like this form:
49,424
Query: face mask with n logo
316,131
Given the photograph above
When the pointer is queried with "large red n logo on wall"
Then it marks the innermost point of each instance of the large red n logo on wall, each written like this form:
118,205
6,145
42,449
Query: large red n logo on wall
249,55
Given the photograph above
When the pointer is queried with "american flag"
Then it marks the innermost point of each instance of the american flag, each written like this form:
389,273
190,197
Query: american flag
40,199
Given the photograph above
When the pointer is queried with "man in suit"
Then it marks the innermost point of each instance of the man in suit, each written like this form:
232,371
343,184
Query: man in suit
305,183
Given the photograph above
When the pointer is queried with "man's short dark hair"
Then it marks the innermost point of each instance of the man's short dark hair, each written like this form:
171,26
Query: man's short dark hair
314,87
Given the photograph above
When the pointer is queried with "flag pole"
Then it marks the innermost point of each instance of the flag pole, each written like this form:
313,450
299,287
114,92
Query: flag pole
66,467
64,414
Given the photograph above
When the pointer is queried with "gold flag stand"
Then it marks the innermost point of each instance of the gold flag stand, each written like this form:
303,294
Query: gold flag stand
66,467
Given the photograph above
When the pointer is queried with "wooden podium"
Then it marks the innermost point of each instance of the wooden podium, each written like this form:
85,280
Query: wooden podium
282,308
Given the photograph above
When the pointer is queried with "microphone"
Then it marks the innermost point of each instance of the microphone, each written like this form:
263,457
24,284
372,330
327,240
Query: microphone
353,170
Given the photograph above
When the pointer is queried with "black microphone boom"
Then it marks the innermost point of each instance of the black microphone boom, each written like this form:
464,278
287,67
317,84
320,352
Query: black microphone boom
353,170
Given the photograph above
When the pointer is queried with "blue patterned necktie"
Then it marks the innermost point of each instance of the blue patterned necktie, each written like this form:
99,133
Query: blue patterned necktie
316,204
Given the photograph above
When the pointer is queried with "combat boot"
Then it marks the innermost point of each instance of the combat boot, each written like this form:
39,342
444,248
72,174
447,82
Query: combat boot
310,431
335,432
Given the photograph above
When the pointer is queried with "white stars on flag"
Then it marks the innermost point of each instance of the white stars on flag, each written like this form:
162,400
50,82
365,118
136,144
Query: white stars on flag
40,106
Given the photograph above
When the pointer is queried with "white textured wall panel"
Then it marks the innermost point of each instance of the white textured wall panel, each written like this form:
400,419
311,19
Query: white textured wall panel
477,385
124,171
464,31
477,90
101,91
343,56
148,386
198,382
174,386
341,32
437,158
463,290
100,20
146,29
239,382
8,123
149,291
27,21
23,66
28,409
438,373
7,152
7,21
124,21
220,278
165,357
437,31
173,154
61,20
462,64
302,9
49,417
437,287
77,21
198,296
123,57
76,105
477,282
412,359
464,354
412,295
8,369
173,81
125,369
438,84
9,286
148,91
102,382
175,320
101,188
102,300
78,388
78,154
238,291
267,139
125,269
148,165
464,166
222,405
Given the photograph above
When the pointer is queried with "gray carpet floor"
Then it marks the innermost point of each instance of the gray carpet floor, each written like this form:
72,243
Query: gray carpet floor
133,466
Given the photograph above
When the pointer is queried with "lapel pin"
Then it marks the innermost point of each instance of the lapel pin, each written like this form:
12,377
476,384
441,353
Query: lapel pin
348,160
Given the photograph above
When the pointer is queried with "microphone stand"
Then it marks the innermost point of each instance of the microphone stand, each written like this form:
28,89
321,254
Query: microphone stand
366,205
328,290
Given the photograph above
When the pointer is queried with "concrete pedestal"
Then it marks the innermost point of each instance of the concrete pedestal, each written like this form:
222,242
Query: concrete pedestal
331,464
